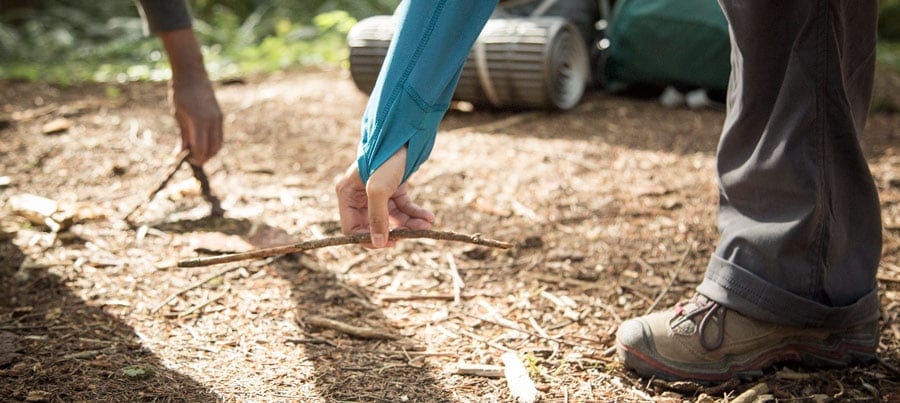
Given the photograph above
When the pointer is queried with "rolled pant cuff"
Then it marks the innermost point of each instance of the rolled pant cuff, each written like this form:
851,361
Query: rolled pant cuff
741,290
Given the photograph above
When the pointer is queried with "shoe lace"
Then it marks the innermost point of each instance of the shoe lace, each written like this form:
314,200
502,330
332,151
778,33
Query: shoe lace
709,309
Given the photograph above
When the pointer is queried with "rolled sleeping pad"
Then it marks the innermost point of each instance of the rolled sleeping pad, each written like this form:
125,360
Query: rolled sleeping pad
521,62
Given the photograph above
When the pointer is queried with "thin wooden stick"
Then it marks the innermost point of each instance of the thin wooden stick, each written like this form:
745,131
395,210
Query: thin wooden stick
361,332
485,370
458,283
170,172
417,297
206,190
197,308
193,286
523,331
342,240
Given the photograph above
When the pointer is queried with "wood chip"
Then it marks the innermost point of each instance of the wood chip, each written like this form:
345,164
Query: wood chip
56,126
750,395
521,387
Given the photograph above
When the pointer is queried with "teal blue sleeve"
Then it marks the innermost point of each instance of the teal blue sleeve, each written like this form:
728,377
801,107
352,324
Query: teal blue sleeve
417,80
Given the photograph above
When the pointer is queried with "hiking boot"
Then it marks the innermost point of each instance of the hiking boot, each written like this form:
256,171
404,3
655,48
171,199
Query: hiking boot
703,341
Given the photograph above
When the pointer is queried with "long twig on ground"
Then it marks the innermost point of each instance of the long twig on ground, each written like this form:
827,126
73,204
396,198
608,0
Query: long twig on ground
361,332
170,172
193,286
343,240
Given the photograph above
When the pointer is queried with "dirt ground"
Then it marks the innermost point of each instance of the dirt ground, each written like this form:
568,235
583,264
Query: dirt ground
612,207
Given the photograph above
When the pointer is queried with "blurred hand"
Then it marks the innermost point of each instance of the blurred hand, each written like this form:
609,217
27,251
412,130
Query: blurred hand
381,204
195,108
191,96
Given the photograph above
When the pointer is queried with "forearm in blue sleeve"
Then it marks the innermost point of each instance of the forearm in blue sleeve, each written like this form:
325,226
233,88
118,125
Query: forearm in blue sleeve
418,78
165,15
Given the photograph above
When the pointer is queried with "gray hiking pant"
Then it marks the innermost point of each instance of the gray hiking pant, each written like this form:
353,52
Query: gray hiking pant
799,216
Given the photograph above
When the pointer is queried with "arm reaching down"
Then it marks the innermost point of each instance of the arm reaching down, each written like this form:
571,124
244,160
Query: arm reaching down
191,95
411,95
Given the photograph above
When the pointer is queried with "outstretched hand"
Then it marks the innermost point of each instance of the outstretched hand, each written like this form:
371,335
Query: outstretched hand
381,204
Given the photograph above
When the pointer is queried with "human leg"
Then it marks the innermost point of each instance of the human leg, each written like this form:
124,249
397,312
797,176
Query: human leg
793,277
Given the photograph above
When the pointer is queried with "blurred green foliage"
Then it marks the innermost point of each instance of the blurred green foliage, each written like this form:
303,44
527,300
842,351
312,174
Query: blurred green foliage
889,20
68,41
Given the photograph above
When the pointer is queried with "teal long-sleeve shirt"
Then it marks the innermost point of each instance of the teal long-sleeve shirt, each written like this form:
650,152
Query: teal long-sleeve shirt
418,78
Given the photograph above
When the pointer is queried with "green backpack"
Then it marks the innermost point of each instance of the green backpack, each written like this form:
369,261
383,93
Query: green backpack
668,42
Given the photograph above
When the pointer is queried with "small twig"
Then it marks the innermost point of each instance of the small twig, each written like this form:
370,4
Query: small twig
311,340
343,240
538,328
417,297
80,354
672,280
519,329
484,340
458,283
204,304
193,286
170,172
361,332
485,370
216,206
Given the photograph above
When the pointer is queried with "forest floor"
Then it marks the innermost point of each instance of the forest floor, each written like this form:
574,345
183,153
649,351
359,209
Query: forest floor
611,206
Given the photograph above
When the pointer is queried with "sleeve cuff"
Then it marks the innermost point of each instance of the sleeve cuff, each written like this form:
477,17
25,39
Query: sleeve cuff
410,122
165,15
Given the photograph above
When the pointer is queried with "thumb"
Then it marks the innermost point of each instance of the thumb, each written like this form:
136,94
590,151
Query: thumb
382,184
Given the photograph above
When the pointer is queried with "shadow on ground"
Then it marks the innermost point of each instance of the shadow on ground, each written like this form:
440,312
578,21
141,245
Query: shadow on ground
346,368
55,346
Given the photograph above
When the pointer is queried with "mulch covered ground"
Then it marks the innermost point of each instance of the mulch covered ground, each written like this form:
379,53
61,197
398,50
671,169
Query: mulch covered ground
611,207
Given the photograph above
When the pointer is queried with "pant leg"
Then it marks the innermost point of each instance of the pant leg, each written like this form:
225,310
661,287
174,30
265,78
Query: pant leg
799,218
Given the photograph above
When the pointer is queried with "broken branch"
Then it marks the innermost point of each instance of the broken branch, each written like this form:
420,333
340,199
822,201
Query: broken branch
216,206
343,240
361,332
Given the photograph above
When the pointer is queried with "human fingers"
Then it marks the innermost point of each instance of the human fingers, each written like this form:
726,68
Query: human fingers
184,130
216,136
407,206
382,185
352,202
